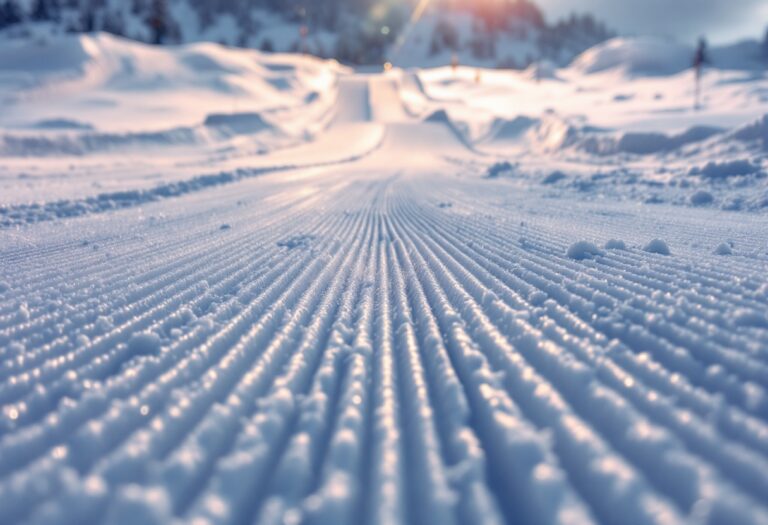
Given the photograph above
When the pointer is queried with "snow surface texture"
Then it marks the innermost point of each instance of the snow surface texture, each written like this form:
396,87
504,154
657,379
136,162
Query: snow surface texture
353,300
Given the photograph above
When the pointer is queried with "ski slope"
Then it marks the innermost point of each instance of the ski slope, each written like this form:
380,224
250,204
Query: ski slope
378,298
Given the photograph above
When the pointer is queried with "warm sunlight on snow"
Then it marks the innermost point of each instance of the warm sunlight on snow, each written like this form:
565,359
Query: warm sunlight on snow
347,262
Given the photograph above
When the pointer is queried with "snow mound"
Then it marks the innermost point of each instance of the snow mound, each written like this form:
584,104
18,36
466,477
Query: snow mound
554,177
745,55
21,145
750,318
723,170
48,56
237,123
754,132
541,70
507,130
702,198
499,169
554,133
550,133
146,343
657,246
62,124
724,249
615,244
641,56
649,143
583,250
441,117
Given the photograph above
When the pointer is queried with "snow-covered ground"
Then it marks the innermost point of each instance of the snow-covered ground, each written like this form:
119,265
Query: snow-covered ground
246,288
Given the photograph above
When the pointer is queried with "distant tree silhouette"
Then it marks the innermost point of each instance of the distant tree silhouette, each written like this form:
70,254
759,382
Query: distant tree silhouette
765,44
267,46
562,41
700,59
43,10
113,23
10,13
158,21
364,30
444,36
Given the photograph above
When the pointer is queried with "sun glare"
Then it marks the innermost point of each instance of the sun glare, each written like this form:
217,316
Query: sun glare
416,15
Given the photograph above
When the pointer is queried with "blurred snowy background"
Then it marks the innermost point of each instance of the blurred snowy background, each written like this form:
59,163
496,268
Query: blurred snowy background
489,33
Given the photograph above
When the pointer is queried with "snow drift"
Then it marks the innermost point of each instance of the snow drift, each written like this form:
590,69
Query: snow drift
643,56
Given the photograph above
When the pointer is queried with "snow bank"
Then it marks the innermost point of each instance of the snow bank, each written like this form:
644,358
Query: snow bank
554,177
541,70
237,123
554,132
62,123
105,202
511,129
702,198
649,143
27,145
640,56
48,56
500,169
441,117
754,132
723,170
657,56
745,55
122,83
549,133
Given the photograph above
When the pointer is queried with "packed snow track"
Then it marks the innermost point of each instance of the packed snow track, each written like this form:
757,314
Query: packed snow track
379,333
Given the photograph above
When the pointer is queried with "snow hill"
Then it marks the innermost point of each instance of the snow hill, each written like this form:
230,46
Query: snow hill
246,287
653,56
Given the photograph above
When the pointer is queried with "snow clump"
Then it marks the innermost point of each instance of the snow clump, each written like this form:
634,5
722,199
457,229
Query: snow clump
615,244
499,169
724,249
657,246
702,198
583,250
554,177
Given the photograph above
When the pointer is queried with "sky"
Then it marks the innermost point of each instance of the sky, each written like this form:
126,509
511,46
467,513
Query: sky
720,20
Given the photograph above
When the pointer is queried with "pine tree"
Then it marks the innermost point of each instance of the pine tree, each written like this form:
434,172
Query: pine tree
267,46
10,13
113,23
41,11
158,21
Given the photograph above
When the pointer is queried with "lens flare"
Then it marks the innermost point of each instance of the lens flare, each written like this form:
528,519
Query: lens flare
418,12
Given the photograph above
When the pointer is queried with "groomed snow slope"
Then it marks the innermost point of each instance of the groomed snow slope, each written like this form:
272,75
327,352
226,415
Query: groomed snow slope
365,326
